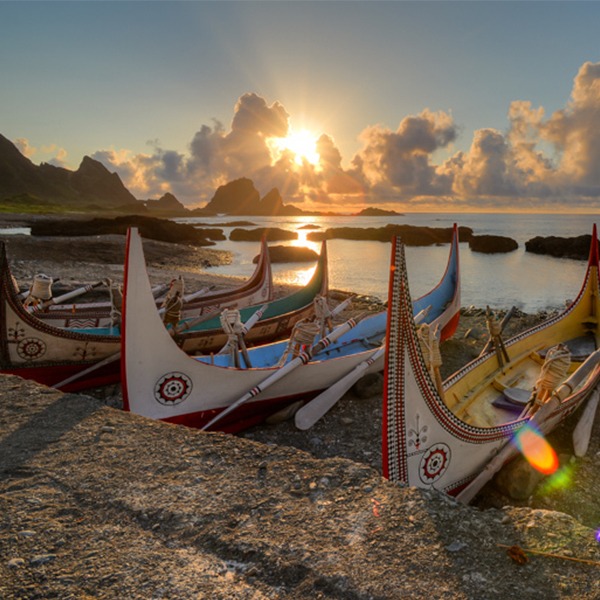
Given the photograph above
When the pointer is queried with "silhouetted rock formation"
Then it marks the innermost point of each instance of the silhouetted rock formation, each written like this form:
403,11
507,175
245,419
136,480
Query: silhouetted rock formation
559,247
410,235
240,197
274,234
285,254
490,244
377,212
149,227
92,185
167,204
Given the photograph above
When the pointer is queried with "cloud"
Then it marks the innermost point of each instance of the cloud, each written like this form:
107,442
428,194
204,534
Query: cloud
539,160
24,148
400,161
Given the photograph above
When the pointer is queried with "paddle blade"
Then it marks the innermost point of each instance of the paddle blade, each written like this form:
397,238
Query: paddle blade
583,429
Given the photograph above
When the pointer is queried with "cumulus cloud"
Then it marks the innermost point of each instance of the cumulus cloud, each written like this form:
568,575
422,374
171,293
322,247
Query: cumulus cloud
537,159
401,160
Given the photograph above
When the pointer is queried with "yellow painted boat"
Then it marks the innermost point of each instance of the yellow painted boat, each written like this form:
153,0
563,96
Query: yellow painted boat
455,435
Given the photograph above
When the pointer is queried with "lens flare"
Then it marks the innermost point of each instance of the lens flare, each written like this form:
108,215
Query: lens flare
534,447
598,535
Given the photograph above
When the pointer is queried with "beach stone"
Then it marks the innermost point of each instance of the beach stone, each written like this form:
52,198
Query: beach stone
368,386
285,254
273,234
560,247
492,244
518,479
15,563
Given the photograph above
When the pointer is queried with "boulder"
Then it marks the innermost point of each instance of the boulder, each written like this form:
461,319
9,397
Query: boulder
411,235
560,247
285,254
491,244
151,228
274,234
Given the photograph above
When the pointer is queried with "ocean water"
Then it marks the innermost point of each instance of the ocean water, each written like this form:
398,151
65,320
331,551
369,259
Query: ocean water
528,281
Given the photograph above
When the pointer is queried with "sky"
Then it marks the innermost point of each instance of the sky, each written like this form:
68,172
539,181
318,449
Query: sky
413,106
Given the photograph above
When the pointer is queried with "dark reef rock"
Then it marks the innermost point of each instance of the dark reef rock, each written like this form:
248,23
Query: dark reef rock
166,204
149,227
491,244
410,235
559,247
286,254
274,234
377,212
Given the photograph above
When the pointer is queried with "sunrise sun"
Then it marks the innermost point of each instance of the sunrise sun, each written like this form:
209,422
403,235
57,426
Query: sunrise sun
302,144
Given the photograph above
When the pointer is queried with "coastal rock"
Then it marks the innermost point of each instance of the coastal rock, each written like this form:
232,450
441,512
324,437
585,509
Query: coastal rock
273,234
372,211
159,510
150,227
491,244
411,235
91,185
560,247
166,205
286,254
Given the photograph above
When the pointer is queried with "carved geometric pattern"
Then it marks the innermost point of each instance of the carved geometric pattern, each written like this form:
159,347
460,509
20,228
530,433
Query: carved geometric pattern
172,388
31,348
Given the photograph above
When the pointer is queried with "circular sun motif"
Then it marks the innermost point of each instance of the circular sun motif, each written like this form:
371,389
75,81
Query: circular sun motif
172,388
31,348
434,463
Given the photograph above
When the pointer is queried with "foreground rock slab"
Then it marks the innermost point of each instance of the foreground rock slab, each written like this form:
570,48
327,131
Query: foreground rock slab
95,502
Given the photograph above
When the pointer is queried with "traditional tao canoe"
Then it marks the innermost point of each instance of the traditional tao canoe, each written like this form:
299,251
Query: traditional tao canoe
162,382
77,359
257,289
455,437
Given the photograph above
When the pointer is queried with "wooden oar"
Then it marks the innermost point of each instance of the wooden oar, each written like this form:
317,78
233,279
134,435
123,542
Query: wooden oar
61,299
583,429
280,373
105,361
311,412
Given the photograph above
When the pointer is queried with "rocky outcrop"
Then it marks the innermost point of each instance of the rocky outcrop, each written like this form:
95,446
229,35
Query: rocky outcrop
91,186
149,227
167,204
273,234
491,244
410,235
240,197
286,254
560,247
98,499
372,211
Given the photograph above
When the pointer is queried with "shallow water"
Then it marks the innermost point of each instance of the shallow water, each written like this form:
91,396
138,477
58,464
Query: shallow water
528,281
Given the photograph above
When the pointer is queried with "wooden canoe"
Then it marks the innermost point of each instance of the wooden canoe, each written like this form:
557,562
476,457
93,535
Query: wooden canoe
456,443
257,289
52,355
161,381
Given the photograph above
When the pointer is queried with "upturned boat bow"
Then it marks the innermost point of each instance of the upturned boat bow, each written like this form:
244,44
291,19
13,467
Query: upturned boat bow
456,438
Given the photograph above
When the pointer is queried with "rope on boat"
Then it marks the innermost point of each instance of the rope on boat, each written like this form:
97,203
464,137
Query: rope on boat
430,349
40,290
555,367
323,315
495,330
116,301
173,304
232,325
303,336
